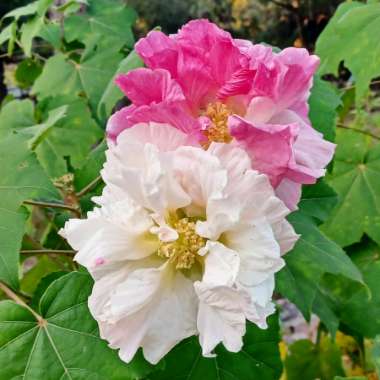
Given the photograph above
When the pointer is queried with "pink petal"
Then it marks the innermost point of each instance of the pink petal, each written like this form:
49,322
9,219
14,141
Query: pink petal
239,83
267,69
158,51
311,150
289,192
145,86
202,34
298,77
196,79
173,113
215,50
271,148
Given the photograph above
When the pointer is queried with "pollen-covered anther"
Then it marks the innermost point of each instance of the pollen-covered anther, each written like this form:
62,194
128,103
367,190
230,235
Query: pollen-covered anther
183,251
218,114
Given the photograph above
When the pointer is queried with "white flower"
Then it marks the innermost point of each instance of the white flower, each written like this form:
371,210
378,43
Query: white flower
185,242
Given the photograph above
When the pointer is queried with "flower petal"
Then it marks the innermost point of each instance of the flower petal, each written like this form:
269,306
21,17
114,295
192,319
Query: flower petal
164,136
158,51
172,113
154,308
220,318
270,147
258,250
221,264
113,233
145,86
298,77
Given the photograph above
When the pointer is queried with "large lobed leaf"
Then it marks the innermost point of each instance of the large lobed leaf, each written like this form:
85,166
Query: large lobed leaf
356,306
89,77
67,130
308,361
21,177
110,18
313,255
64,344
356,179
352,36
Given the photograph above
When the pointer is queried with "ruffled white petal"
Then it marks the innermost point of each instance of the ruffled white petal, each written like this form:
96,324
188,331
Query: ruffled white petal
221,264
258,250
111,234
143,173
220,318
154,308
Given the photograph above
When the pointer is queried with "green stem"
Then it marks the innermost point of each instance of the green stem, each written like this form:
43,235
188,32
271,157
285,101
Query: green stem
66,252
91,185
13,296
63,206
342,126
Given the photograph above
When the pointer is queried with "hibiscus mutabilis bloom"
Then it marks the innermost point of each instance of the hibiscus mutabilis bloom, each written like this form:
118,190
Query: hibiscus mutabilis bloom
215,88
185,241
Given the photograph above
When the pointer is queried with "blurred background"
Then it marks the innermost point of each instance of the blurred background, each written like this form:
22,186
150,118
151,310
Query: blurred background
278,22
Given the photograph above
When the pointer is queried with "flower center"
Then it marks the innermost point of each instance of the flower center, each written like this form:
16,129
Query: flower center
182,252
218,131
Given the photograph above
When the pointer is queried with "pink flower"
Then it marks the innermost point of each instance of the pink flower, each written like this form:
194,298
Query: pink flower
215,88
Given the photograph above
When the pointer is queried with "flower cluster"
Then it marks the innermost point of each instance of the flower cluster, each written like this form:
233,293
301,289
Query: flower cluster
201,171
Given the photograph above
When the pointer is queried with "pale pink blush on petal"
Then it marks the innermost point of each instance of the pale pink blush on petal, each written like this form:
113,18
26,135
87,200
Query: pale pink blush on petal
99,261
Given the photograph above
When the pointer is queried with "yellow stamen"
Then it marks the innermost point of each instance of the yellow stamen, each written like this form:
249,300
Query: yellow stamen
218,113
183,251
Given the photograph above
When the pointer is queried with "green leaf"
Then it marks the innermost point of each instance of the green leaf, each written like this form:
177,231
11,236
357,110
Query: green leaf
21,177
43,6
91,167
109,18
72,136
63,344
88,77
26,10
27,71
17,114
313,255
12,227
32,277
324,101
51,33
352,36
6,33
351,301
323,308
24,123
9,34
259,358
318,200
67,130
350,378
88,172
356,179
29,30
112,93
309,362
